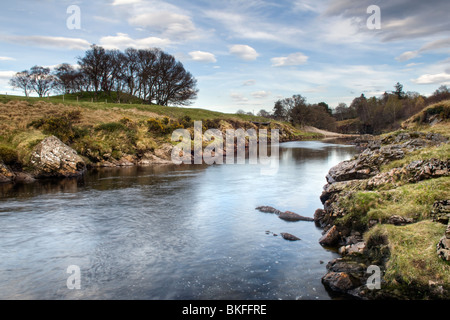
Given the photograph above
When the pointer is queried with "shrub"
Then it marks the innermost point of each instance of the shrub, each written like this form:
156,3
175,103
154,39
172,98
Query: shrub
60,127
8,155
111,127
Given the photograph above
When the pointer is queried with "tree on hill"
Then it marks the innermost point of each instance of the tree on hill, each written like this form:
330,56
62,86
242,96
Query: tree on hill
41,80
21,80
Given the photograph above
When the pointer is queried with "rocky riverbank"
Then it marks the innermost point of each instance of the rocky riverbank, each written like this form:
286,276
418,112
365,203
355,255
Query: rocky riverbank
373,206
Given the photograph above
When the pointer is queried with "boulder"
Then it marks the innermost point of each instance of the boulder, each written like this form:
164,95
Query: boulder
441,211
399,220
53,159
6,175
164,152
339,281
330,238
443,247
344,275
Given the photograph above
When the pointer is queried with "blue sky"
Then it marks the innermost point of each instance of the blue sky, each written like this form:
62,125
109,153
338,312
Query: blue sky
246,54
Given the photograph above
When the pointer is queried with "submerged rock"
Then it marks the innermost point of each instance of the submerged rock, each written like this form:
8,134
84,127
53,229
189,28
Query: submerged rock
290,237
292,216
53,159
268,209
287,215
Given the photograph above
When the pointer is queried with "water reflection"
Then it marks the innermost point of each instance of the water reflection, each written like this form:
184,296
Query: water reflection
169,232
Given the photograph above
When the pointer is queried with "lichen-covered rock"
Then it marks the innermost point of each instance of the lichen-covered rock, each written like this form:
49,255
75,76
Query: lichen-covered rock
441,211
6,175
53,159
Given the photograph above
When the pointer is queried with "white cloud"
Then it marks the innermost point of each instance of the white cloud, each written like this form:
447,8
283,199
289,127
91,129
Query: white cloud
6,59
244,52
122,41
439,78
261,94
105,19
248,83
47,41
202,56
294,59
243,23
6,75
238,97
429,46
125,2
413,64
408,55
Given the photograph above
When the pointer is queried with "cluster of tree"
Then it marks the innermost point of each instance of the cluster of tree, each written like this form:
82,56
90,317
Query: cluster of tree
149,74
375,115
298,112
368,115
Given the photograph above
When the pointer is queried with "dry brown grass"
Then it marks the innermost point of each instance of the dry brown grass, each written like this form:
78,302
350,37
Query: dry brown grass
17,115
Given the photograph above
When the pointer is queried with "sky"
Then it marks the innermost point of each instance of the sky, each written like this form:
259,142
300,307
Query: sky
246,54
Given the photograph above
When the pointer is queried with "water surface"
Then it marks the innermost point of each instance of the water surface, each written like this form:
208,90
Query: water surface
170,232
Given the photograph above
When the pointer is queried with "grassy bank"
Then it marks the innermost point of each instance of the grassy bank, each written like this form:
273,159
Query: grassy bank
101,130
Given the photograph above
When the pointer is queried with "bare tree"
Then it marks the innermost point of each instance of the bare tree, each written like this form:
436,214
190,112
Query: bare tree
22,80
92,65
41,80
68,79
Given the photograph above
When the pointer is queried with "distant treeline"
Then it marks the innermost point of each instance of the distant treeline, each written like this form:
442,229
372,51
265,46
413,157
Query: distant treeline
149,74
364,115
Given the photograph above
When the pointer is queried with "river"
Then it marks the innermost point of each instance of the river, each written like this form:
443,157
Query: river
170,232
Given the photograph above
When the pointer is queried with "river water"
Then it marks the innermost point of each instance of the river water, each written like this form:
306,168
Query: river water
170,232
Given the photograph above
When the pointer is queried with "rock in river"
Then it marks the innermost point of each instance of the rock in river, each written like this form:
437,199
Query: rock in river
290,237
292,216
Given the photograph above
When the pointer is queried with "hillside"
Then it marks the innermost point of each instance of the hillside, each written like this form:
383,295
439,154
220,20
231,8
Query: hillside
110,134
389,207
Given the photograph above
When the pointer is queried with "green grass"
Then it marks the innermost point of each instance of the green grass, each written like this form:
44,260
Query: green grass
413,261
410,201
439,152
172,112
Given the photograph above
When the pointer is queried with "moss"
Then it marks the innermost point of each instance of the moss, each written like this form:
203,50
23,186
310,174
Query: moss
8,155
357,206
